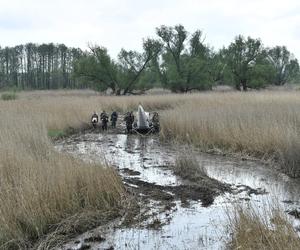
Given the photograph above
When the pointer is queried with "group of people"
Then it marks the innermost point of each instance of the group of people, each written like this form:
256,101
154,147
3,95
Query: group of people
104,119
128,118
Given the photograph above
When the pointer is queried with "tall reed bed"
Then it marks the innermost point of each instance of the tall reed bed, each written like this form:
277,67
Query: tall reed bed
262,124
253,230
39,187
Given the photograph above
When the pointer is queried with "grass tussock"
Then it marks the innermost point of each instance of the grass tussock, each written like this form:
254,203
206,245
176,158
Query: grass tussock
188,168
9,96
56,133
264,125
251,230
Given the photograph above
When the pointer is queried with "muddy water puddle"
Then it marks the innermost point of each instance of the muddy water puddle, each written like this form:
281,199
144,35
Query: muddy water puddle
144,156
179,215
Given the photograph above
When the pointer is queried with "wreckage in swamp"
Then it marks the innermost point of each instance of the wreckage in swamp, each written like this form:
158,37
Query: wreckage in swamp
144,124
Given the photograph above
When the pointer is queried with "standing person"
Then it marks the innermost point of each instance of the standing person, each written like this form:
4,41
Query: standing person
113,119
104,120
155,122
129,119
94,119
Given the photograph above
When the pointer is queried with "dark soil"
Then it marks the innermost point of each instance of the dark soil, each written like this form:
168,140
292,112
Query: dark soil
95,238
249,190
295,213
130,172
156,224
204,192
84,247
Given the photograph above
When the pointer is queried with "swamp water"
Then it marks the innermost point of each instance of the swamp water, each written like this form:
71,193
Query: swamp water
190,222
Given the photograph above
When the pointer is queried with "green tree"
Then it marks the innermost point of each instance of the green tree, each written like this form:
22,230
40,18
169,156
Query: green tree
185,60
149,78
286,67
33,66
121,76
221,73
242,55
261,73
132,64
98,68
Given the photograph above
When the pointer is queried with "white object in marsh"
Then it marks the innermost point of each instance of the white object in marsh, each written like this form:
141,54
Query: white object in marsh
94,120
142,118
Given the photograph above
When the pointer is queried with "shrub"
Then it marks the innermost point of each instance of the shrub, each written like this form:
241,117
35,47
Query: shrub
9,96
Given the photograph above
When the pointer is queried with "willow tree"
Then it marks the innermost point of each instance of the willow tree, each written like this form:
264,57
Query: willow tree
242,55
285,65
121,75
184,62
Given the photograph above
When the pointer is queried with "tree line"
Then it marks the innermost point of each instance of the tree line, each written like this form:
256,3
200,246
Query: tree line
182,61
174,59
33,66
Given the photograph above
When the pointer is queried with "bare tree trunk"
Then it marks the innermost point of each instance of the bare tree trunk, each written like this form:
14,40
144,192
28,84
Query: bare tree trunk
244,84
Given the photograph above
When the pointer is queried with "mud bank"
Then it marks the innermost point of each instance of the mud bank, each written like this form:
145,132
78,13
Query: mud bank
175,213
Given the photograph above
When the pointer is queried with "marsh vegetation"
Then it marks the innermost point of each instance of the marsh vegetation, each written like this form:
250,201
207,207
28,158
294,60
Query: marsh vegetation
271,229
41,188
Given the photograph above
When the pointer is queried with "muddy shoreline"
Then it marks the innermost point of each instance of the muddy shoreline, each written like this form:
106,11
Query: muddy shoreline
167,203
87,128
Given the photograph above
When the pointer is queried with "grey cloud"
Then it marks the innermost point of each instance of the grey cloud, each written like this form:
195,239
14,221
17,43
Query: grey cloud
116,23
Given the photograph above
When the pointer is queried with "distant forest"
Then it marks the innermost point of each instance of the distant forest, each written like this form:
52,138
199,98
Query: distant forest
174,59
33,66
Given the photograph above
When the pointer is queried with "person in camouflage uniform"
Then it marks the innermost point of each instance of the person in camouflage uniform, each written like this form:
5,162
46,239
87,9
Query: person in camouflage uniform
129,119
104,120
155,122
113,119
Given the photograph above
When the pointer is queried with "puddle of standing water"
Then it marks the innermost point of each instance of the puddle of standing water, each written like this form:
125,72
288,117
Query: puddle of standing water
186,227
140,154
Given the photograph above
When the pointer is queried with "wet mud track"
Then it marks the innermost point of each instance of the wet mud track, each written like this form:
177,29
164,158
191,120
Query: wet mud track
184,193
172,212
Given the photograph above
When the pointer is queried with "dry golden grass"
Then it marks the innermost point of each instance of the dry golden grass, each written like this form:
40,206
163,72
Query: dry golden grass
62,109
262,124
251,230
40,187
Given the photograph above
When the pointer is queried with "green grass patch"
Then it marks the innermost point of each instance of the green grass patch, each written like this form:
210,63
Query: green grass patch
9,96
56,133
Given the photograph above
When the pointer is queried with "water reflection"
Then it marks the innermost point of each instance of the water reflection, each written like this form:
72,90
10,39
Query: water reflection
192,227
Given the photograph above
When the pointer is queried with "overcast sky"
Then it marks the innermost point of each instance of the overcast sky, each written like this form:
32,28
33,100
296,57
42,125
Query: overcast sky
118,24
